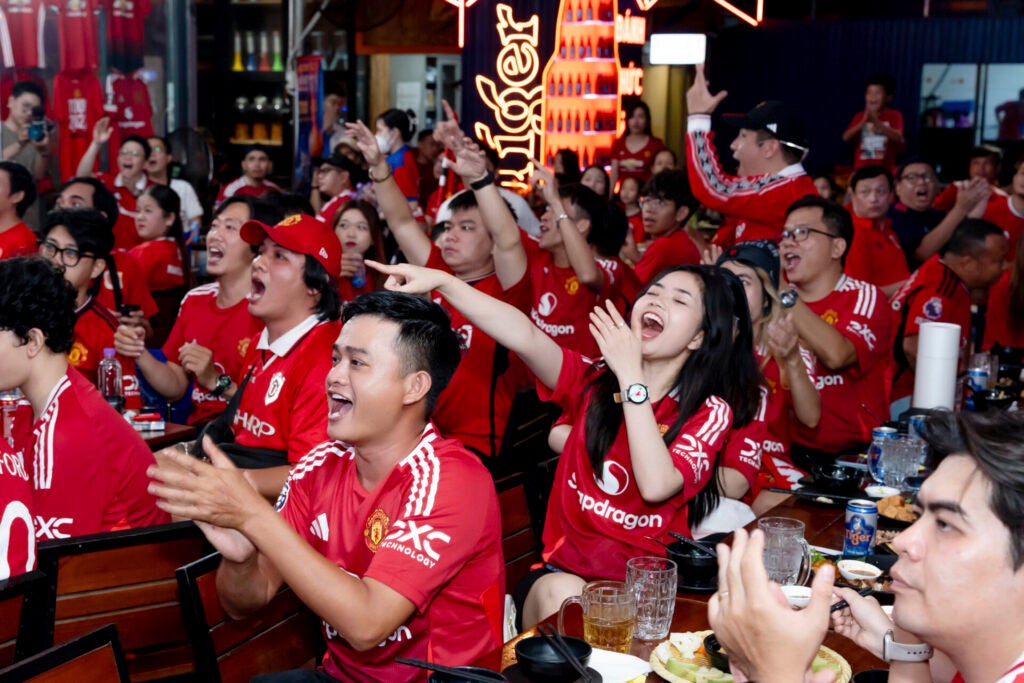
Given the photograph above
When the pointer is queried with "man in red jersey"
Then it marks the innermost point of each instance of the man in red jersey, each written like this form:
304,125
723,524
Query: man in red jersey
877,128
17,192
17,521
256,166
384,501
984,163
482,245
337,178
769,148
294,294
1008,211
876,255
666,204
214,329
88,465
844,323
940,291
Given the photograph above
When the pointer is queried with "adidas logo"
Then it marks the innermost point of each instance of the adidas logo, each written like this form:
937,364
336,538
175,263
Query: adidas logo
319,528
323,252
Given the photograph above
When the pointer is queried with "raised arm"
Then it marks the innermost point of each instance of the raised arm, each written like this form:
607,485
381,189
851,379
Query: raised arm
783,342
414,243
581,256
968,199
504,323
101,133
826,342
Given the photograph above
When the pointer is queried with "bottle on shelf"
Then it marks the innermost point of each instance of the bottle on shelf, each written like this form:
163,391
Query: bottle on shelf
250,51
109,379
242,132
260,129
237,64
264,52
278,63
279,114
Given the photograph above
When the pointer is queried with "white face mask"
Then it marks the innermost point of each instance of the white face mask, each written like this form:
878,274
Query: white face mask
383,142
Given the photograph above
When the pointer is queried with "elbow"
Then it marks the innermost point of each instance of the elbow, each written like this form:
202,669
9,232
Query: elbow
659,492
812,418
368,636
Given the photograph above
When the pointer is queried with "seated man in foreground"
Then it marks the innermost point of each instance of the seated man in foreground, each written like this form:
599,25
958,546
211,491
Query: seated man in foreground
964,556
421,571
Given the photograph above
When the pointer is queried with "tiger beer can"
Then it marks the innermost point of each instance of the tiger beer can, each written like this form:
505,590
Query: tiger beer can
861,522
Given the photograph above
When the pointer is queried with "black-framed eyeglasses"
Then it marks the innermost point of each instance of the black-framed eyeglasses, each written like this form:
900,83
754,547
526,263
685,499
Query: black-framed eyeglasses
69,256
914,178
802,233
654,203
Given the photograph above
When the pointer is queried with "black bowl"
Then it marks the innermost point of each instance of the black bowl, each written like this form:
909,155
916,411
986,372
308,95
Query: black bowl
693,567
542,662
992,399
436,677
836,478
716,655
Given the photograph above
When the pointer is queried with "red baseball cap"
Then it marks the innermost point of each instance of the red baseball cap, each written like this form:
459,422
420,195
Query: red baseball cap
302,234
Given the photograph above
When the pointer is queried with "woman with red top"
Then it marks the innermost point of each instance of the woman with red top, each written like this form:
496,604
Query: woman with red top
629,197
394,130
162,254
648,419
1004,324
633,153
358,229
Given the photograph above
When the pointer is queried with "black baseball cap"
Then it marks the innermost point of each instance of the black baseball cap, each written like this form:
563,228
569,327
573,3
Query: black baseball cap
776,118
358,175
761,254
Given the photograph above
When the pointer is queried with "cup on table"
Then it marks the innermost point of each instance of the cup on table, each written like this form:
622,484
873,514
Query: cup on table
787,557
609,614
900,459
654,582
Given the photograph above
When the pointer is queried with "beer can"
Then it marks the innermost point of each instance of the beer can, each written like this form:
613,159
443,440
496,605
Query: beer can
861,522
915,427
875,464
977,379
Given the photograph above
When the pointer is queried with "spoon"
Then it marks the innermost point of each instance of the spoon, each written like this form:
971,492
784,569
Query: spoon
703,547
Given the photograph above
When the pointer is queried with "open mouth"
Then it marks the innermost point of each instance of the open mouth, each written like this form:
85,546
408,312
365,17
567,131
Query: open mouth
790,261
258,290
213,254
651,325
337,406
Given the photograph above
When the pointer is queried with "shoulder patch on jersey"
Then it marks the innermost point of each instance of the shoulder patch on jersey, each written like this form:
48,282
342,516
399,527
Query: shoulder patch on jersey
932,308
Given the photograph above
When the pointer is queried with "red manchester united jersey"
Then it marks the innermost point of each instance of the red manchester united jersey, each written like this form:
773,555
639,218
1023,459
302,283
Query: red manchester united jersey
227,332
875,256
624,285
94,331
125,234
79,42
125,35
1001,211
596,521
133,285
88,465
77,105
21,33
666,251
855,399
161,262
17,524
476,399
284,406
131,112
18,240
999,329
932,294
415,534
636,164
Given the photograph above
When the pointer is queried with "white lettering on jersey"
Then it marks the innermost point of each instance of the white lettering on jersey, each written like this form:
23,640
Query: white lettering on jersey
604,508
16,510
422,537
254,425
614,478
823,381
14,464
692,450
549,329
76,114
50,528
864,332
750,453
771,446
400,634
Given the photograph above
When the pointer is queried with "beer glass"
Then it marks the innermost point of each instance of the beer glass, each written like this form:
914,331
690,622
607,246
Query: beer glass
787,557
653,580
609,614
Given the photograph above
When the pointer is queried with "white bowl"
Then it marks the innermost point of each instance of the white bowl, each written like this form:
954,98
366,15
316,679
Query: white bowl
878,491
797,596
855,570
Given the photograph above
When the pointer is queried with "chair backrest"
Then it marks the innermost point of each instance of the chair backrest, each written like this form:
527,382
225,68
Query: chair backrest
124,578
285,634
12,592
95,657
518,541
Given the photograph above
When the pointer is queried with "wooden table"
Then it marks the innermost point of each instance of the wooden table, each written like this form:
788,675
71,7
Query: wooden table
826,527
172,434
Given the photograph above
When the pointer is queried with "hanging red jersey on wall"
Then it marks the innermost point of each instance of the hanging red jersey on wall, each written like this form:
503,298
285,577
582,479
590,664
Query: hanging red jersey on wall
125,33
21,33
129,108
79,44
77,105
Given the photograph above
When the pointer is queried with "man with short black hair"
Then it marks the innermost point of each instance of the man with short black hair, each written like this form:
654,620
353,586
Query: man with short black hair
16,144
374,533
667,204
844,323
878,129
17,193
254,181
983,164
338,178
769,148
940,291
876,255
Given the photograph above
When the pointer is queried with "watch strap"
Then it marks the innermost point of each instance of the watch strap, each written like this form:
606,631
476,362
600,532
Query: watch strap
902,652
480,184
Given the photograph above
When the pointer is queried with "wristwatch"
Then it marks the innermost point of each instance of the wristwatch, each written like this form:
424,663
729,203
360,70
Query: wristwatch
901,652
483,182
223,382
635,393
788,298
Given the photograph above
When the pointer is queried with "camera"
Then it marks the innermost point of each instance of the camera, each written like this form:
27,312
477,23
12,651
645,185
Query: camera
37,128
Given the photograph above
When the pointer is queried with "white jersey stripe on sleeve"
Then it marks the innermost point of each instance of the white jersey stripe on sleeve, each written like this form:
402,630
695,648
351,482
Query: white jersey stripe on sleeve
6,49
717,422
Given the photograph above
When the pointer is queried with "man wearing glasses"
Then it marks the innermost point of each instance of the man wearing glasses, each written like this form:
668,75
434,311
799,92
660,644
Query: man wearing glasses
844,322
769,148
666,203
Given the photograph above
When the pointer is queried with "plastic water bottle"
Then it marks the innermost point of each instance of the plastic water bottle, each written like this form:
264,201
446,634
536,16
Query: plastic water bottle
359,279
108,380
876,467
9,405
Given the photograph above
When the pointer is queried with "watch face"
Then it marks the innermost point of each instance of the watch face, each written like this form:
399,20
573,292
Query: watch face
636,393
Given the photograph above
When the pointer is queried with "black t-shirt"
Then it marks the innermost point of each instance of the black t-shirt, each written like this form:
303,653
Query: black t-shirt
911,226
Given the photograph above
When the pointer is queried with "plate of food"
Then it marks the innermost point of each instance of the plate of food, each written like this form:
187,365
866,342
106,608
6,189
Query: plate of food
683,659
894,512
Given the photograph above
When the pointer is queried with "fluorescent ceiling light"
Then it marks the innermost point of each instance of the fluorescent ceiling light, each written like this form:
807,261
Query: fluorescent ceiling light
678,48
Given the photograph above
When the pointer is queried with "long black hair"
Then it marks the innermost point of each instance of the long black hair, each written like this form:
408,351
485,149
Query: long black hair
170,203
723,366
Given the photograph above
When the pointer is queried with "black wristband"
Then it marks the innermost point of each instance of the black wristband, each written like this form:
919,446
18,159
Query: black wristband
480,184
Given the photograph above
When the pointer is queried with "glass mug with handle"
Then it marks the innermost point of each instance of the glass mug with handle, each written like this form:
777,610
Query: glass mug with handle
609,614
654,582
787,557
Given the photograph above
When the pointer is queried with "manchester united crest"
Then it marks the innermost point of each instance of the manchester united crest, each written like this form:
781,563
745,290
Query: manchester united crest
572,285
274,390
830,316
377,526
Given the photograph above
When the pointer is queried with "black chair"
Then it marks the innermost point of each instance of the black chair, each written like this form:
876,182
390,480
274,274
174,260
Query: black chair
285,634
12,593
124,578
95,657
